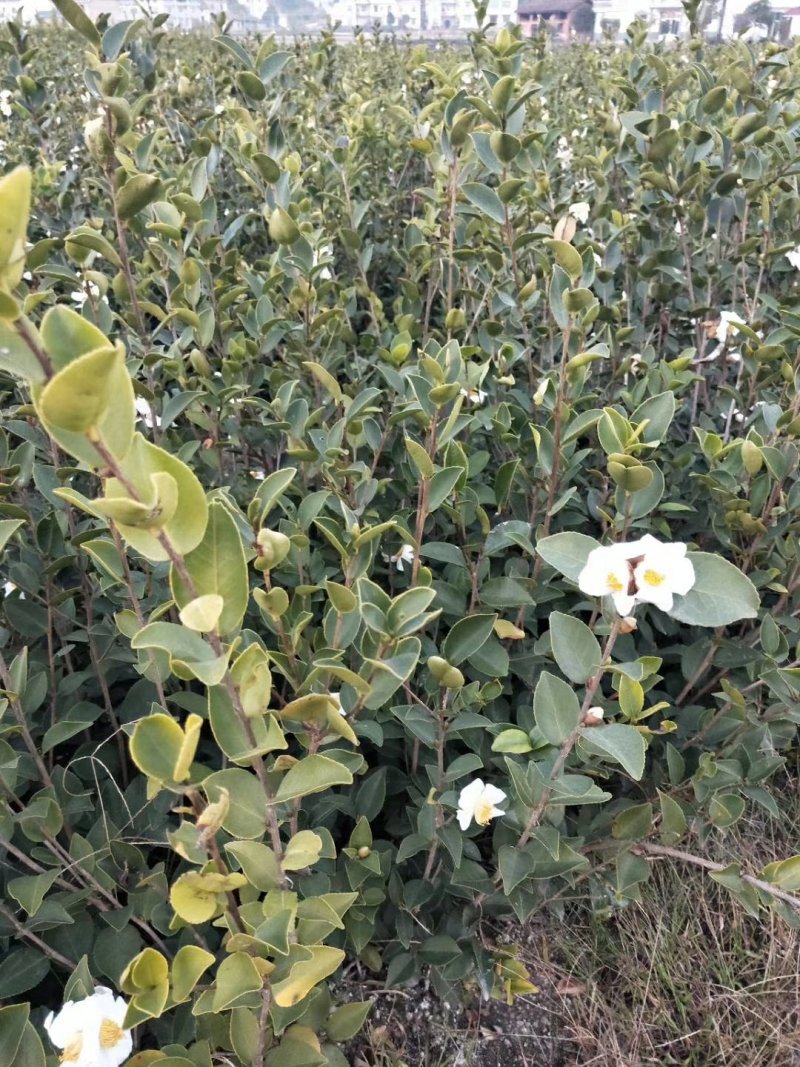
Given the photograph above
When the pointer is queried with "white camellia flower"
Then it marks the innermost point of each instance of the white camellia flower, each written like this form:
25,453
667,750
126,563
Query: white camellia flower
90,1032
337,699
474,395
580,211
145,412
405,555
728,321
647,571
662,572
479,801
794,257
608,573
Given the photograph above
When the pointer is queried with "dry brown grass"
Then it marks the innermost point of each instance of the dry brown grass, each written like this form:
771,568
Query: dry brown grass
686,977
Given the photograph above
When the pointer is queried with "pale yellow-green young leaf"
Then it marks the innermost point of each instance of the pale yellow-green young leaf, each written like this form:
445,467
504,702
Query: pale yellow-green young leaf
325,379
191,737
66,335
202,613
186,526
236,976
147,970
195,897
155,746
306,974
15,203
76,398
302,851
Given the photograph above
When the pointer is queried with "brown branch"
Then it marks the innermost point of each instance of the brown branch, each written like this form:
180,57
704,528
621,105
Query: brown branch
709,865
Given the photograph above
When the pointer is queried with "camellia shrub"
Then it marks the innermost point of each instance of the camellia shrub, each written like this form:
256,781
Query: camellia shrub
399,514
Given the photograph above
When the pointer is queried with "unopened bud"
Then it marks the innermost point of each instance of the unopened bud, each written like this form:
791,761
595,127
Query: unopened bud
593,717
364,851
628,625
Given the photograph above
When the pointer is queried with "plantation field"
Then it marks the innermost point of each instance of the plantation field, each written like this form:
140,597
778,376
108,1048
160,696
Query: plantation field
400,571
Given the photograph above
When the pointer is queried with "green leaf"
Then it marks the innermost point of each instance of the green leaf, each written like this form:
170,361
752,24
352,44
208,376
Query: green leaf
722,594
555,708
344,1023
419,457
312,774
259,863
79,20
189,655
442,485
673,820
513,740
13,1019
623,744
16,357
137,193
658,412
566,552
29,890
236,976
466,637
485,199
20,970
190,964
515,866
575,648
217,566
634,823
725,809
247,814
8,527
30,1052
567,257
265,733
439,950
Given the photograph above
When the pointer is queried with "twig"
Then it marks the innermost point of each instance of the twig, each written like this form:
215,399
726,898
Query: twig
709,865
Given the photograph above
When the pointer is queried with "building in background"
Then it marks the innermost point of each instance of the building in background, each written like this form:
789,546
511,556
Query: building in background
563,18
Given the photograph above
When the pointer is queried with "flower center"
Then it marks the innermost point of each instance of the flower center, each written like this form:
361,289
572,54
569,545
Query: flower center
614,584
72,1051
654,578
483,812
110,1033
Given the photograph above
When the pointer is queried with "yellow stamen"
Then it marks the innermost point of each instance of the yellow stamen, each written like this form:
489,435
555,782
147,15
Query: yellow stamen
483,812
110,1034
654,578
72,1050
614,584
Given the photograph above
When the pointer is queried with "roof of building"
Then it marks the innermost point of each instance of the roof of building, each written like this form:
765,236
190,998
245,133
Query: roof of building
547,8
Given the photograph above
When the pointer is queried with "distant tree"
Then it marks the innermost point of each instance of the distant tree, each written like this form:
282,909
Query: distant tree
583,19
760,13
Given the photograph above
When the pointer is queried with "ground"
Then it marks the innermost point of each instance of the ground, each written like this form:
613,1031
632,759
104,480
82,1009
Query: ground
683,979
